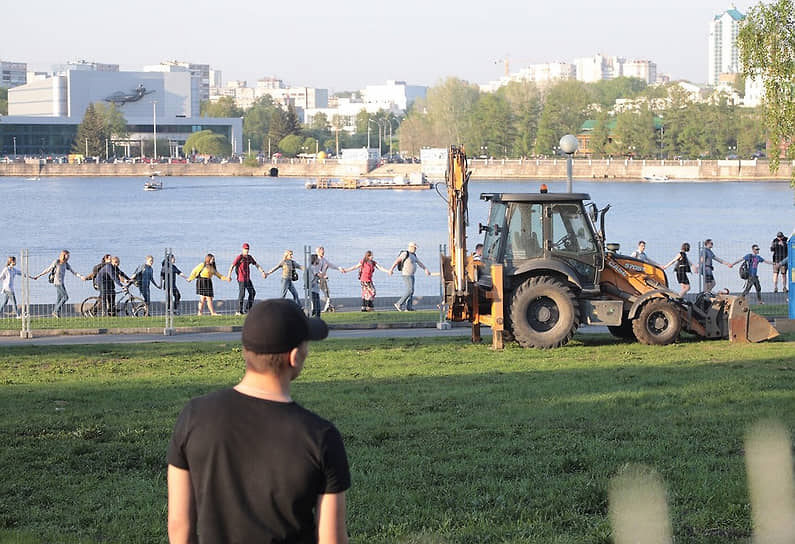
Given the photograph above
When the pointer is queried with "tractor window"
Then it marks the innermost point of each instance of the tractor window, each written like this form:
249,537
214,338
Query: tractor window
570,230
491,243
525,232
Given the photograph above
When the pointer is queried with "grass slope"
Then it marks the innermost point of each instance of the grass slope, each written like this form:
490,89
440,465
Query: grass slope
448,441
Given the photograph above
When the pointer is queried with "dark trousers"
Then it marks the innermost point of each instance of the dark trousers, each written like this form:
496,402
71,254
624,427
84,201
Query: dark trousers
107,300
145,294
753,281
176,296
315,304
242,287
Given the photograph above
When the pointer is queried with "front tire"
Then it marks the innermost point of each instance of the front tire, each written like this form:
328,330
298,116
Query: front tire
90,307
543,313
658,323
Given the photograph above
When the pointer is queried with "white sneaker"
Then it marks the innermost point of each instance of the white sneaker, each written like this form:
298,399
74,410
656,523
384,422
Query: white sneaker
397,307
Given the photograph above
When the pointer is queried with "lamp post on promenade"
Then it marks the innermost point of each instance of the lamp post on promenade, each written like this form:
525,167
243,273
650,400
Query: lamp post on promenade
15,147
154,129
569,145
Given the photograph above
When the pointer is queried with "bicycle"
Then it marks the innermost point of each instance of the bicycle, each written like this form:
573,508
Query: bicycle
125,304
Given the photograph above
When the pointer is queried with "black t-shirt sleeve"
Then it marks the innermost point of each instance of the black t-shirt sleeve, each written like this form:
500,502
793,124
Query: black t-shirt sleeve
176,448
335,463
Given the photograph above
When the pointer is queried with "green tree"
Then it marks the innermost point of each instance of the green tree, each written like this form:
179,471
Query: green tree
256,122
601,137
115,125
767,51
565,110
91,134
450,106
207,142
279,125
291,145
524,100
3,101
606,92
493,125
223,107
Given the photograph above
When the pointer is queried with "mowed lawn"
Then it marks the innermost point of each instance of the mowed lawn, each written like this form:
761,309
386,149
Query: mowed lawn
448,442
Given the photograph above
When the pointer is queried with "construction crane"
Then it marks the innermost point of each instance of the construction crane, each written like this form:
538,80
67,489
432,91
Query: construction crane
506,62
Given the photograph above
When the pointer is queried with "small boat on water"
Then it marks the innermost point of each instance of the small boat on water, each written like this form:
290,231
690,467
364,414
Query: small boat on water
154,183
34,178
656,177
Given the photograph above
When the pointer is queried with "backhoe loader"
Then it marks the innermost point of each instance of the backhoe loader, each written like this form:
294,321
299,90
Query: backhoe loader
546,270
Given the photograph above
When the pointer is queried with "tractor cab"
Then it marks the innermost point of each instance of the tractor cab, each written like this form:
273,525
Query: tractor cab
529,232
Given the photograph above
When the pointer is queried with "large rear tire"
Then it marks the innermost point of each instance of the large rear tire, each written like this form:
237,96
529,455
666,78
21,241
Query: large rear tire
543,313
658,323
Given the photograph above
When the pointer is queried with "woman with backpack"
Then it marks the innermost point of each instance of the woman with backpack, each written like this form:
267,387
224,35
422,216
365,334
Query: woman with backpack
366,267
289,274
683,268
56,274
203,274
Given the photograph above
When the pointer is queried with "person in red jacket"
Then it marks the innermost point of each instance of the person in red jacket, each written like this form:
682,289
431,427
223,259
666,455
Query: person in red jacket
243,263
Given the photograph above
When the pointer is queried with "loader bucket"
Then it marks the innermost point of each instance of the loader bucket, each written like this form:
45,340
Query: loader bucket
745,326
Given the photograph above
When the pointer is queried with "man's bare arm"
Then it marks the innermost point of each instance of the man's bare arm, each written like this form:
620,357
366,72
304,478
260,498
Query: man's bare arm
180,530
331,527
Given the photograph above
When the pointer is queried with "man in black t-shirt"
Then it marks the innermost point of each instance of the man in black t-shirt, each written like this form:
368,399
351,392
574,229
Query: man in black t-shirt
248,464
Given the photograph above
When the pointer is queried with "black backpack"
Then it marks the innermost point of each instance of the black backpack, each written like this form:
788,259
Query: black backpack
402,256
744,273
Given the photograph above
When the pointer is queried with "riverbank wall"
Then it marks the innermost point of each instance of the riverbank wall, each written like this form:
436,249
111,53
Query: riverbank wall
541,169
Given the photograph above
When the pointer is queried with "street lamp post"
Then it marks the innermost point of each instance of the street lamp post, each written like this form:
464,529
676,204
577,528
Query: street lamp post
249,146
154,129
15,147
569,145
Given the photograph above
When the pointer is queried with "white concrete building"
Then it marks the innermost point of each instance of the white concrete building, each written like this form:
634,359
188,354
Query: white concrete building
641,69
394,96
44,114
724,55
200,74
541,74
754,92
599,67
13,74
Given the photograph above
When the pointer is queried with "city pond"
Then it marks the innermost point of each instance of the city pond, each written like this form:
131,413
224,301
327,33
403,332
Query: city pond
196,215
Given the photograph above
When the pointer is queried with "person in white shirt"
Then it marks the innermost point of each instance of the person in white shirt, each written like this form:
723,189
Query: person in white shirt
322,278
7,276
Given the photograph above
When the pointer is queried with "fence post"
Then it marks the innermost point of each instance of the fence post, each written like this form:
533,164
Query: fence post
700,267
443,324
168,286
24,332
307,294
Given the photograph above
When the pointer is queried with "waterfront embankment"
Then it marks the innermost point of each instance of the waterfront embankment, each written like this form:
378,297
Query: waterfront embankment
486,169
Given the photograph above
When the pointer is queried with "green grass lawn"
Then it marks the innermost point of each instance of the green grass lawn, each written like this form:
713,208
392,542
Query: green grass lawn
449,442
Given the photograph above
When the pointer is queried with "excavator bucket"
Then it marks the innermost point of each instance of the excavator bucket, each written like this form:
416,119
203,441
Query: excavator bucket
745,326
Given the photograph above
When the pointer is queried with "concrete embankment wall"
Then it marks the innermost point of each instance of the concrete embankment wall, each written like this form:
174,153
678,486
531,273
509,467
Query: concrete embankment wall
620,169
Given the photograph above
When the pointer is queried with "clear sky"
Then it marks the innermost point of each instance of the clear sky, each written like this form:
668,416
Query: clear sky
347,45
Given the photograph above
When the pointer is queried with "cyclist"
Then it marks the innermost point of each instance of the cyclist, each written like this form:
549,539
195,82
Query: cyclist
107,278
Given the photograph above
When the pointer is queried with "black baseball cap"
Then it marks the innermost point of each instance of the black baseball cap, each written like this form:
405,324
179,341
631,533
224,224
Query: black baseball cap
780,234
279,325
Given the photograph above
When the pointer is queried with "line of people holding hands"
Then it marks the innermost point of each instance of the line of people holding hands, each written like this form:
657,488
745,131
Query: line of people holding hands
107,275
749,270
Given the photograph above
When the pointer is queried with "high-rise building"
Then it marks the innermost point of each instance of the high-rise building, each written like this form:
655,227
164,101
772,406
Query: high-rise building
724,56
13,74
199,72
598,67
641,69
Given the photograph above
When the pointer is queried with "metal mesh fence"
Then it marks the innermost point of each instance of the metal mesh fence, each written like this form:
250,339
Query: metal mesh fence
75,302
75,299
